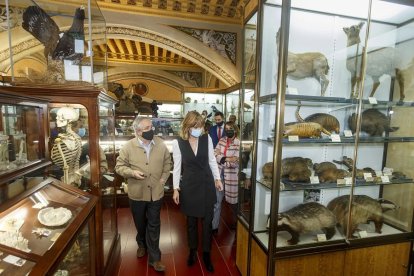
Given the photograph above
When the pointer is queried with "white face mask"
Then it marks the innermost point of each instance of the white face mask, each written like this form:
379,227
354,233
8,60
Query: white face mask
196,132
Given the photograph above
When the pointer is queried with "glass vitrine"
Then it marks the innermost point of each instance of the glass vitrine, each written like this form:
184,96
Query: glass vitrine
331,160
49,225
211,102
52,44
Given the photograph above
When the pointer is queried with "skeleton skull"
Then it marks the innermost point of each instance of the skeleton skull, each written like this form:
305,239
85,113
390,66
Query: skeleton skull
66,115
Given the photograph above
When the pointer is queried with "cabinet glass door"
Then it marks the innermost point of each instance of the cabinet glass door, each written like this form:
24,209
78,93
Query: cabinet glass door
106,168
383,194
246,116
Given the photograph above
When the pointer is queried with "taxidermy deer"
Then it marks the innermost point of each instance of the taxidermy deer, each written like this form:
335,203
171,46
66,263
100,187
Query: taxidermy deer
379,62
307,65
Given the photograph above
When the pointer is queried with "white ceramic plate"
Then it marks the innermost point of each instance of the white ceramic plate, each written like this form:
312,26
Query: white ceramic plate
54,216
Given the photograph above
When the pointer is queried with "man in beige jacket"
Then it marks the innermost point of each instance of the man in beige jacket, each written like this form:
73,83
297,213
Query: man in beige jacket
145,163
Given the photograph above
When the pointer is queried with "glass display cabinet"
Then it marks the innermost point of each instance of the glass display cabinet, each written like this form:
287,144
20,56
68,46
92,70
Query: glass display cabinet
46,227
332,181
52,44
211,102
79,121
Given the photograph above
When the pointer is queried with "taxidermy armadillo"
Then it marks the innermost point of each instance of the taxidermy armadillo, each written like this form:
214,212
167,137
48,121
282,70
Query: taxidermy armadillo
327,121
332,174
309,130
320,167
364,209
373,122
305,218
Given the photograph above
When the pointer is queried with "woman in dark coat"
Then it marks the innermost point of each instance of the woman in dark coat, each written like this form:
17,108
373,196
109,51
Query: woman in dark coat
193,152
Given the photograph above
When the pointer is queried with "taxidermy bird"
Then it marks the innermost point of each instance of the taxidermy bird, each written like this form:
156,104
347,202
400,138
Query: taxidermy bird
127,98
57,46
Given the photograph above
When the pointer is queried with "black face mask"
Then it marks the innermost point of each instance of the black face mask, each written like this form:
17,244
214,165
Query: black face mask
220,124
148,135
230,133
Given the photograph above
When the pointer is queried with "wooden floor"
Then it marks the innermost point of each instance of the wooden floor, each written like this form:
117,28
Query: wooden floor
173,245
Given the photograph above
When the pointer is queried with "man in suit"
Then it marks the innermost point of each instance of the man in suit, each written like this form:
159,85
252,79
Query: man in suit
217,131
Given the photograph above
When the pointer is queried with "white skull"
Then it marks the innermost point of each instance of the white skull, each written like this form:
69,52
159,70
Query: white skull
66,115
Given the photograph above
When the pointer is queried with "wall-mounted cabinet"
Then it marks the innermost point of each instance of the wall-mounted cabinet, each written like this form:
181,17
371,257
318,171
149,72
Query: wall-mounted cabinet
332,163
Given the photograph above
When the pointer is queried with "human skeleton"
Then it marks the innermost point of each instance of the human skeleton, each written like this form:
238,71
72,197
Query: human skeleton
67,146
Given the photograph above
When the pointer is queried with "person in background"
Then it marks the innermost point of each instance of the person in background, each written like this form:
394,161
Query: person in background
194,153
79,128
232,118
227,155
145,163
217,132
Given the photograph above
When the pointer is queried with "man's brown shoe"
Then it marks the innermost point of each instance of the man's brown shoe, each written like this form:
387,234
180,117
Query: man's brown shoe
158,266
141,252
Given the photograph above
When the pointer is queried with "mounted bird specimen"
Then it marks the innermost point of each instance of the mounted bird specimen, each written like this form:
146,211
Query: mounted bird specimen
58,46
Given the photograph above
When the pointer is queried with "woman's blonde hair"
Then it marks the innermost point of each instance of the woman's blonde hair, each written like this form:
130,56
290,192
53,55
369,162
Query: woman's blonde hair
192,119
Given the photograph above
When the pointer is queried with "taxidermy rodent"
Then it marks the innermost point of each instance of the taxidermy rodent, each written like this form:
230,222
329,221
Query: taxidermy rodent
296,169
373,122
320,167
331,175
327,121
364,209
305,218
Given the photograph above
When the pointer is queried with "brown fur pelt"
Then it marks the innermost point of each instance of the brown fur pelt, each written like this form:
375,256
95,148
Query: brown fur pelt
364,209
320,167
296,169
373,122
332,174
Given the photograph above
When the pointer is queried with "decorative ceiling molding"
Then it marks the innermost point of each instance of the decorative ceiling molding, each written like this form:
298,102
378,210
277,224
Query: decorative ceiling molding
225,43
184,50
194,78
140,75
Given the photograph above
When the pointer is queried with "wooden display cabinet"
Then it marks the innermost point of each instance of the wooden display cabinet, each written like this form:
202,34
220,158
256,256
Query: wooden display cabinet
96,114
372,187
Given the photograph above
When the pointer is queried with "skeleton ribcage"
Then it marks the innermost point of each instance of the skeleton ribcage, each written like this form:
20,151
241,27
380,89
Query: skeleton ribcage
71,147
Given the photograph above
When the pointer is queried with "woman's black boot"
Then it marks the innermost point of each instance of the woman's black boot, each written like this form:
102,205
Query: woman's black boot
192,257
207,262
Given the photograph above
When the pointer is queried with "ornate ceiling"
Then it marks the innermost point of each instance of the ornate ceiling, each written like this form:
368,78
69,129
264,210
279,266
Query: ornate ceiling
129,51
191,43
228,11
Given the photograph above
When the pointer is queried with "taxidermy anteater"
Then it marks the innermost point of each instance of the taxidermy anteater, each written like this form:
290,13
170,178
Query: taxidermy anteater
305,218
373,122
364,209
327,121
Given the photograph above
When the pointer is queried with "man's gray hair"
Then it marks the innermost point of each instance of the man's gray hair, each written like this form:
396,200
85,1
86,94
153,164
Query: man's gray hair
136,125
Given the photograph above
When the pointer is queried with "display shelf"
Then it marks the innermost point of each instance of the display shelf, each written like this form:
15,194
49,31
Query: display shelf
343,140
309,75
311,238
332,101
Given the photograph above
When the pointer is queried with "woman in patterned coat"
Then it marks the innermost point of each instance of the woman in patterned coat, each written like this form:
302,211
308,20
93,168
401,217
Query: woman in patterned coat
227,154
